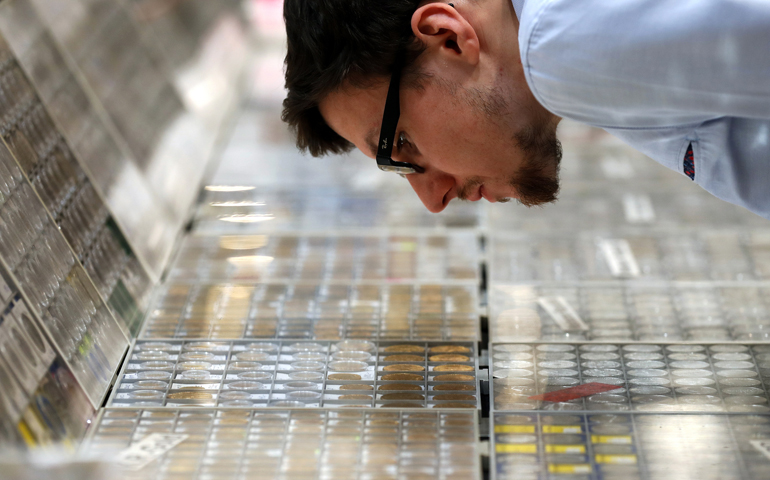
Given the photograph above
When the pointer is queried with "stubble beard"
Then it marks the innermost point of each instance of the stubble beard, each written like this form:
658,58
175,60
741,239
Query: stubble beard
536,182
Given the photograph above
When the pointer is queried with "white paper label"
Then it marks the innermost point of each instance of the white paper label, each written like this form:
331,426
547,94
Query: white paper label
638,208
617,168
620,258
148,449
763,446
562,313
5,290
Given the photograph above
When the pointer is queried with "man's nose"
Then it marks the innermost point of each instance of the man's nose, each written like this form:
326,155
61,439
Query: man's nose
434,188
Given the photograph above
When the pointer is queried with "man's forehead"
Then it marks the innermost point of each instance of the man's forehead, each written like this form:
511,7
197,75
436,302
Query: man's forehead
355,113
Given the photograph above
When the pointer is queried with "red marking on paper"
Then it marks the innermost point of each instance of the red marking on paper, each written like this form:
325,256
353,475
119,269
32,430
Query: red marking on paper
575,392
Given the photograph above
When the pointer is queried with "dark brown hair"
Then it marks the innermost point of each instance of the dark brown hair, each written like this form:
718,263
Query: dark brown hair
336,42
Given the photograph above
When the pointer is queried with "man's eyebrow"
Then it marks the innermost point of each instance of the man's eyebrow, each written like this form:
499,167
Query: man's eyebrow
372,139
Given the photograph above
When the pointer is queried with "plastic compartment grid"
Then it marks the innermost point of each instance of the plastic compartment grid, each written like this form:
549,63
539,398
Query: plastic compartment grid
318,444
719,255
628,446
286,257
624,312
657,378
316,311
352,373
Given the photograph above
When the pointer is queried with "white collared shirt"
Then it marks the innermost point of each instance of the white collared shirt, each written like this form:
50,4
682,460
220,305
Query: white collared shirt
662,75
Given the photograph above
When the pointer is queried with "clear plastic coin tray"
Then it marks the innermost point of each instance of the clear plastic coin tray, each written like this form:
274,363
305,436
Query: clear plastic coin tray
350,373
323,210
705,255
656,378
646,207
315,311
333,257
619,312
280,443
629,446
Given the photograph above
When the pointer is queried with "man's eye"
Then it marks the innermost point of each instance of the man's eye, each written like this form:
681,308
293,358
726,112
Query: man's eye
401,141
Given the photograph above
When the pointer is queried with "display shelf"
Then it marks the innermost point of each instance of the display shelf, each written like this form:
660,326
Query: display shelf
628,446
661,312
292,257
323,311
296,374
683,377
85,128
280,443
719,255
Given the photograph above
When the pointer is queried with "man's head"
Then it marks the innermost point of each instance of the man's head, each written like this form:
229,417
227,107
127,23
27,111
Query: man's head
467,116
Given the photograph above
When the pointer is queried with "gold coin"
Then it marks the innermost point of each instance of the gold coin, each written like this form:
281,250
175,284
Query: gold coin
404,367
453,368
449,357
454,386
454,396
454,377
400,386
191,396
404,358
404,349
402,405
403,376
355,396
403,396
454,405
357,386
450,349
344,376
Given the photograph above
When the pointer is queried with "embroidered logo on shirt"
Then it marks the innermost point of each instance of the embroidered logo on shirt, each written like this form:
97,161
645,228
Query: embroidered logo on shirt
689,163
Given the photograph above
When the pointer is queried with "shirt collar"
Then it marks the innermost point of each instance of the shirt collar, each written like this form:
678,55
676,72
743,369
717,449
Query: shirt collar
518,5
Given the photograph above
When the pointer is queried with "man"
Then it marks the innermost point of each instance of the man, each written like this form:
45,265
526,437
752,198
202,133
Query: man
482,85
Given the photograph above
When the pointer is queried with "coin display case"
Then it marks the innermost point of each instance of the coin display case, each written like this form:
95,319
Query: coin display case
288,257
661,312
322,311
628,446
289,443
670,377
704,255
299,374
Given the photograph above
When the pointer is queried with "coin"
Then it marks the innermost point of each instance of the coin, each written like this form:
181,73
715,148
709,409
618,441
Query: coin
453,368
449,357
344,376
450,349
402,405
454,386
191,395
403,396
405,367
404,358
400,386
454,396
454,377
454,405
355,396
403,376
356,386
404,349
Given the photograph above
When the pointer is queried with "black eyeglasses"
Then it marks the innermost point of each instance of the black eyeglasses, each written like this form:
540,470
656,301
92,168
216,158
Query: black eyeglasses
388,130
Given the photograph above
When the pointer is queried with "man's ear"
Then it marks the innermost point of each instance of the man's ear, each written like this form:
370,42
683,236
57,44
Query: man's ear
446,32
